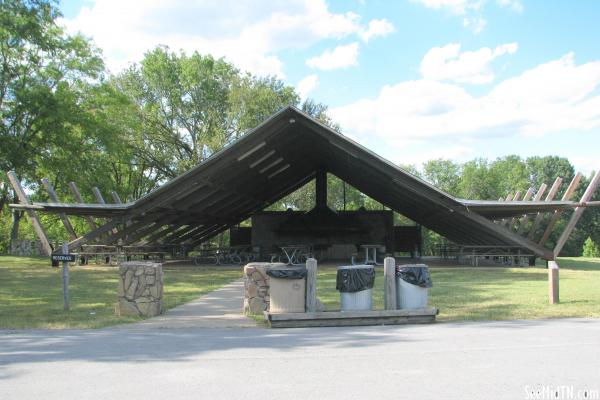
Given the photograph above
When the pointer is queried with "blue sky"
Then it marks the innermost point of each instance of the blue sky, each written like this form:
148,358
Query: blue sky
410,79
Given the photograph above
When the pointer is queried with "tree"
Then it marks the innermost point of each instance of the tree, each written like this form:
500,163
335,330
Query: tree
590,249
443,174
44,72
547,169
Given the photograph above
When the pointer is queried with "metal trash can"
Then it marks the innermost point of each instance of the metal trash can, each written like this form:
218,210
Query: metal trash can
412,286
355,284
287,289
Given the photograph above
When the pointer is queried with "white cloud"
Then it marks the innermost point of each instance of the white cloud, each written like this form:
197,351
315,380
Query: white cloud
470,10
247,33
556,96
307,85
513,5
376,27
458,7
448,63
340,57
476,23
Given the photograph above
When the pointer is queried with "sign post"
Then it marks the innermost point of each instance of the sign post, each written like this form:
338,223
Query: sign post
65,273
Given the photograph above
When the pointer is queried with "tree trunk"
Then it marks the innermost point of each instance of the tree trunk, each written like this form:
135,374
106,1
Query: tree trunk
14,233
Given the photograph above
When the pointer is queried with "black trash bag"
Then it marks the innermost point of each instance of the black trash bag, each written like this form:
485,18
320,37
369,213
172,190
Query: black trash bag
350,280
415,274
287,272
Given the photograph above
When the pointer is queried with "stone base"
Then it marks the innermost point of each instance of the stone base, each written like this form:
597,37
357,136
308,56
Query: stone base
256,287
140,290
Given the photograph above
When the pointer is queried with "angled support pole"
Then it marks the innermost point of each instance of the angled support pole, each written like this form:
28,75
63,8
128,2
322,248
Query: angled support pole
538,197
555,217
527,197
589,192
516,197
63,216
540,216
77,243
37,225
77,195
509,197
98,195
100,200
116,197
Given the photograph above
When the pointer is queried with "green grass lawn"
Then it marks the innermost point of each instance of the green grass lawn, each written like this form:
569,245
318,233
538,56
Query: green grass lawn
490,293
31,292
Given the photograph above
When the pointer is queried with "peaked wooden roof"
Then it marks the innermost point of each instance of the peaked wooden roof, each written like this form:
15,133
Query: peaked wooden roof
275,159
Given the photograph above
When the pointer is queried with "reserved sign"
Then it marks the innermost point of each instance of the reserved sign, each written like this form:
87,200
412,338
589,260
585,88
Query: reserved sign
63,257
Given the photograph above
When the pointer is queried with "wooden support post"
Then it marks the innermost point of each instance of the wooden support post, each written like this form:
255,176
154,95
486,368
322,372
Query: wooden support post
65,276
553,282
77,243
566,197
389,284
538,197
516,197
63,216
527,197
577,214
540,216
98,195
100,199
509,197
37,225
77,195
116,197
311,285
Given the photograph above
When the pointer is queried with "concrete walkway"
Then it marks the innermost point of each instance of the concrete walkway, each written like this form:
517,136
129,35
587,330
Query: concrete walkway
219,309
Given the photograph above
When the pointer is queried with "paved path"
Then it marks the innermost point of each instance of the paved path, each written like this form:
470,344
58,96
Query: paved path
219,309
483,360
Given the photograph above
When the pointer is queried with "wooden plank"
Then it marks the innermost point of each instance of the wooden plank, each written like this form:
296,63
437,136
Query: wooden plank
589,192
428,311
311,285
538,197
77,195
366,321
516,197
389,284
515,220
349,318
540,216
553,294
37,225
63,216
556,216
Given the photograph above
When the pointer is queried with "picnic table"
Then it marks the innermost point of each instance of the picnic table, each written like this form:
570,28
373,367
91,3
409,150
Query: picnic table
371,253
292,252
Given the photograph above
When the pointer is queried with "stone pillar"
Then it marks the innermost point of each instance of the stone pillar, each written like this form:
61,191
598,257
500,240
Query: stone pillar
256,287
140,290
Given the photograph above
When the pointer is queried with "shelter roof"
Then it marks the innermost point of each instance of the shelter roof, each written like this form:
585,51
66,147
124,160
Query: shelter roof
283,154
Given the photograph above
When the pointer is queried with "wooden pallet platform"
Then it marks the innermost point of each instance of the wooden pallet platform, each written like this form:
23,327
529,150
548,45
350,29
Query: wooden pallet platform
351,318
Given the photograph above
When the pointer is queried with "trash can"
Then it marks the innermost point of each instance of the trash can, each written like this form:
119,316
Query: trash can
287,289
355,284
412,286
